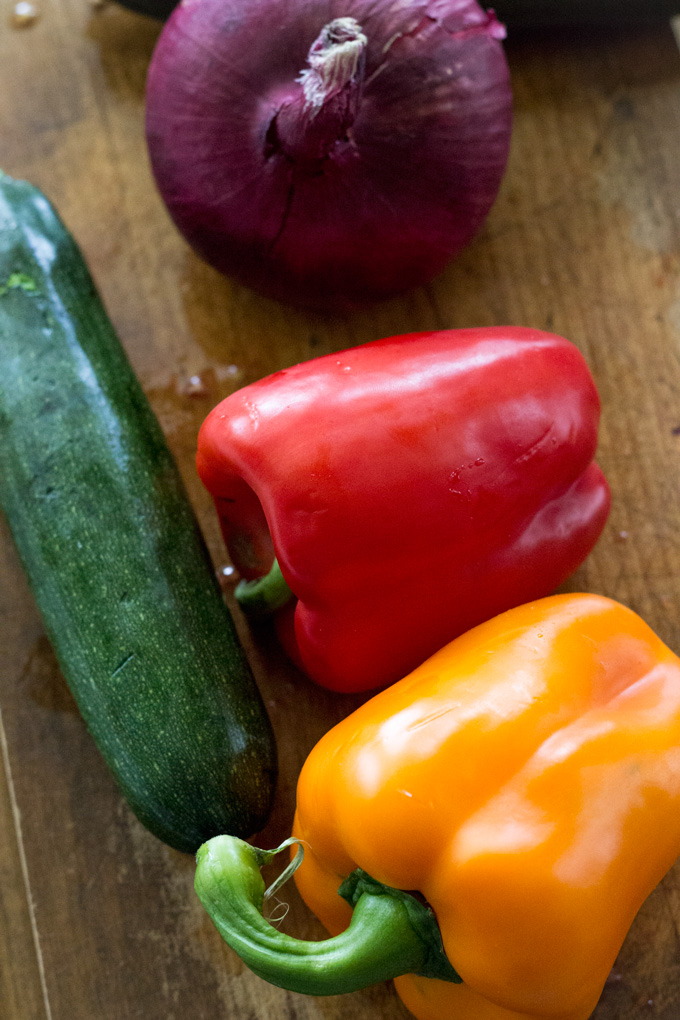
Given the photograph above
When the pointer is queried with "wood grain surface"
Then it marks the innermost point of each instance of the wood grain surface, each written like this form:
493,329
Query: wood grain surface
97,918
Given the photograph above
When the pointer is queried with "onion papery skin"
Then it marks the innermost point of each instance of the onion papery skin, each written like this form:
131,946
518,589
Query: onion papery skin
395,190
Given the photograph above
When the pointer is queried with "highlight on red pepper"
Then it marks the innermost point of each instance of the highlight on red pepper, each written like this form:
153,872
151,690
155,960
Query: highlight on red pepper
484,830
407,490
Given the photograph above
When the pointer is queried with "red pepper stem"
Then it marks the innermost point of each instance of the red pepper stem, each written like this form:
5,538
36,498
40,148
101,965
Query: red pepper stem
386,937
323,108
263,595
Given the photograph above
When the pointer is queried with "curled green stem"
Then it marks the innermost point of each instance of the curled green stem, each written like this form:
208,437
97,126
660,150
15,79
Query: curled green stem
391,933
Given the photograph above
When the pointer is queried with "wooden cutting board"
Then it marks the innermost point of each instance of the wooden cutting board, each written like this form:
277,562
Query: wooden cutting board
97,918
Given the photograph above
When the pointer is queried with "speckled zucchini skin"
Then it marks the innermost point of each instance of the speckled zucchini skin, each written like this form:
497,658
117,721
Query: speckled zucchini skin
113,551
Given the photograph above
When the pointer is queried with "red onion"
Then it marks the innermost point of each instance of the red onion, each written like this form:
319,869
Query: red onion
329,152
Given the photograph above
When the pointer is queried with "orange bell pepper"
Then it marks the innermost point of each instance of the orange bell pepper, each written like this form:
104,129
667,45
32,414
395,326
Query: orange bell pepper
524,781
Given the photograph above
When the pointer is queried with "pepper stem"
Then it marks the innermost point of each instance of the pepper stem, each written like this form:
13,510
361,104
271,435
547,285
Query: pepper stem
263,595
390,933
320,113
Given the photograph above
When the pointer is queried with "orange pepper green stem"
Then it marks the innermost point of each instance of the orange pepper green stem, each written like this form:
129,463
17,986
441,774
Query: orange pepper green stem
390,933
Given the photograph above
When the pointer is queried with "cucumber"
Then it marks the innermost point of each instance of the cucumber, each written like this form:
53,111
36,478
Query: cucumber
113,552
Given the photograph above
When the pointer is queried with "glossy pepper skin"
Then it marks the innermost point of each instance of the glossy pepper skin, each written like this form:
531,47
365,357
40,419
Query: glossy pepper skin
526,779
409,488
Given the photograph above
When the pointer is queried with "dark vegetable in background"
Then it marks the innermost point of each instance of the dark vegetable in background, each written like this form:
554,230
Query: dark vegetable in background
543,13
113,552
154,8
520,14
351,182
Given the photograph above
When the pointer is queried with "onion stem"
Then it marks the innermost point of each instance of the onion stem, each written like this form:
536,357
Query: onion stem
322,110
335,58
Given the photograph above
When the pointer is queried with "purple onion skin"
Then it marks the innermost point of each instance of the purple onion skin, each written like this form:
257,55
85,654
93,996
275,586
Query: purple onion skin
372,195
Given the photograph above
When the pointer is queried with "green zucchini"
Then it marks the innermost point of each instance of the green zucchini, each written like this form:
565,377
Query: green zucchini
113,552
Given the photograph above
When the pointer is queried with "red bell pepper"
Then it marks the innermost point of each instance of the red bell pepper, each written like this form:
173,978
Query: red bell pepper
409,489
